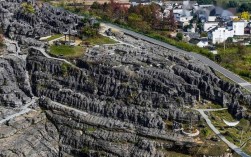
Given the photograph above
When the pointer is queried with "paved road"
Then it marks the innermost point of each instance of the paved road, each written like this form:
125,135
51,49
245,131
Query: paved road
24,110
235,78
217,132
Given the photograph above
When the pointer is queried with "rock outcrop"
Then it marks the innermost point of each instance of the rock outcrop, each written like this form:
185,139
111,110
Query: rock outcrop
14,82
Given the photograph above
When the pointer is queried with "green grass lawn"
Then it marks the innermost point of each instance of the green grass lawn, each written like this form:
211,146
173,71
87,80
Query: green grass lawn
209,105
67,51
55,36
99,40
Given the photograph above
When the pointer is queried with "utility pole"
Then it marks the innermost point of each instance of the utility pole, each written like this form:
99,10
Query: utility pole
224,46
224,42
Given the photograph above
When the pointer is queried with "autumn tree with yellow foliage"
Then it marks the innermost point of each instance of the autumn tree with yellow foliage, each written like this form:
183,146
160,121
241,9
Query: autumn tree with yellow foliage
245,15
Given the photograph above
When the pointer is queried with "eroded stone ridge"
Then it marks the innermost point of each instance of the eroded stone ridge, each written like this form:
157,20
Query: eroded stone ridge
24,27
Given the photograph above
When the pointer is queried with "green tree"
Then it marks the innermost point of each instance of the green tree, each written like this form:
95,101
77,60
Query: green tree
203,34
229,40
205,1
232,4
179,36
89,31
244,7
96,25
95,5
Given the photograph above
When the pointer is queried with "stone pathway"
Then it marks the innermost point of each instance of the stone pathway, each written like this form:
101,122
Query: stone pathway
24,110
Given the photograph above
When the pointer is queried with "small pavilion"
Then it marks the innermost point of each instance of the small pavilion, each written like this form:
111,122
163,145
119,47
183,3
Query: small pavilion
71,35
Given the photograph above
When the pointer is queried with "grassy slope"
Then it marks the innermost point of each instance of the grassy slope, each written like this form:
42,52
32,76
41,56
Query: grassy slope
67,51
236,63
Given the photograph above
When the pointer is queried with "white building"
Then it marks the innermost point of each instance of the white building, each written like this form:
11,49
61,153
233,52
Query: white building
209,25
220,34
211,18
184,20
238,27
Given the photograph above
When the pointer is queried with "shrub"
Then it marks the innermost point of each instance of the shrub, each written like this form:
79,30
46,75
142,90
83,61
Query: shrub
28,8
179,36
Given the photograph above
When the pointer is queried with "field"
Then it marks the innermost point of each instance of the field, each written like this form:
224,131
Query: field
238,60
67,51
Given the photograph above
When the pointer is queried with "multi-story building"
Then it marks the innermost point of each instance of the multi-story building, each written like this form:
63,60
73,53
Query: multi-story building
238,27
220,34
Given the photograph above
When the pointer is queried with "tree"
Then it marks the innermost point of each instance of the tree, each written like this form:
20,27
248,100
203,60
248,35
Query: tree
95,5
171,23
179,36
205,1
96,25
229,40
245,15
135,20
232,4
89,31
203,34
244,7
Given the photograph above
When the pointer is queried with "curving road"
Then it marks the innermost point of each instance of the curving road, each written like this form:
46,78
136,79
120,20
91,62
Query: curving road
217,132
235,78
